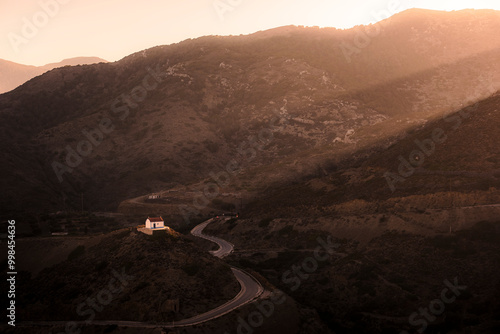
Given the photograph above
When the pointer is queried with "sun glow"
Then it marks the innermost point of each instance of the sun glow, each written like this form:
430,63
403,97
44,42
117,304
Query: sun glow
348,14
37,34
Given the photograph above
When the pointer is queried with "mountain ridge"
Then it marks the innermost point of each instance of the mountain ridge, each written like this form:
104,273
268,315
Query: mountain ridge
219,91
14,74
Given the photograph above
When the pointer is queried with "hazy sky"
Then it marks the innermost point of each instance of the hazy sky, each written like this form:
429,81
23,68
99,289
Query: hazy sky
112,29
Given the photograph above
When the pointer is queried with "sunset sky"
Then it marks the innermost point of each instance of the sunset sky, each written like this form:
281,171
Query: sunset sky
112,29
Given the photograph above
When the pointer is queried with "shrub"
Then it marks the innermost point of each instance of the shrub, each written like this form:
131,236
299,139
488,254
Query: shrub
482,231
285,230
218,203
443,242
232,221
141,286
365,288
76,253
211,146
191,269
110,328
265,222
101,265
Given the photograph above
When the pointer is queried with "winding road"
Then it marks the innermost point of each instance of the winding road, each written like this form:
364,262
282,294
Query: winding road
225,248
251,289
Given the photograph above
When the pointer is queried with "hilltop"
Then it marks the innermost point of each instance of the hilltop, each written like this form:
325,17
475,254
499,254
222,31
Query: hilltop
149,270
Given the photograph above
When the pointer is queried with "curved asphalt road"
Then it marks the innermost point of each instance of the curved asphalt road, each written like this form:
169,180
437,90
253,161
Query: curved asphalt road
251,289
225,248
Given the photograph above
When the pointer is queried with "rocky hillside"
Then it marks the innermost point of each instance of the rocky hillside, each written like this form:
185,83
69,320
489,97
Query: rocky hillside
453,161
278,102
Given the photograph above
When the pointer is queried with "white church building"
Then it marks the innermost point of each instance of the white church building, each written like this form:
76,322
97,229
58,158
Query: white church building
154,223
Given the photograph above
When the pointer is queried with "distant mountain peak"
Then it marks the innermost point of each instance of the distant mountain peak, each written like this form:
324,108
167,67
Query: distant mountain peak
14,74
76,61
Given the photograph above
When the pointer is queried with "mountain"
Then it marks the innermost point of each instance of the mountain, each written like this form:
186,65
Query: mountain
276,105
14,74
364,165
